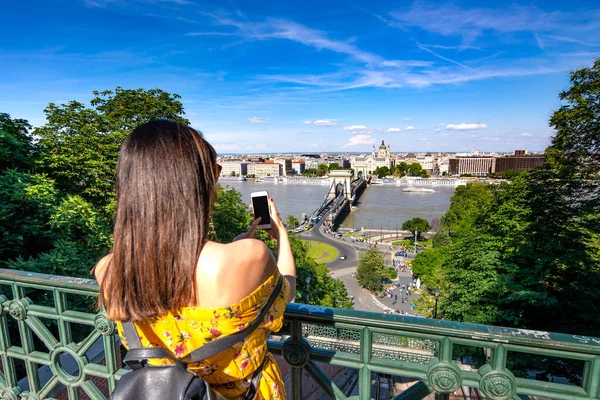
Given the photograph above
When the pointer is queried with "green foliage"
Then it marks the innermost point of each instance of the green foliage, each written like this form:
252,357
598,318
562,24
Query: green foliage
292,221
27,203
334,167
16,148
230,215
309,172
409,169
78,146
465,206
382,172
441,238
322,169
370,270
417,224
428,264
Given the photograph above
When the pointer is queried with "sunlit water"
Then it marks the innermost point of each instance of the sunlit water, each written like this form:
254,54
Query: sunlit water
380,206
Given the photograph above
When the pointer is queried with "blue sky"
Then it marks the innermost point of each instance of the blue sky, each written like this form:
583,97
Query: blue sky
308,76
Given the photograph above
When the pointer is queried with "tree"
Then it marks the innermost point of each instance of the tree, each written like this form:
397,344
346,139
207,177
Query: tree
417,224
428,264
322,169
78,146
370,269
382,172
310,172
292,221
230,215
441,238
465,206
334,167
16,148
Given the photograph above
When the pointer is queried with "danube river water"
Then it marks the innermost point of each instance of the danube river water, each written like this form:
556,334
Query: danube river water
380,206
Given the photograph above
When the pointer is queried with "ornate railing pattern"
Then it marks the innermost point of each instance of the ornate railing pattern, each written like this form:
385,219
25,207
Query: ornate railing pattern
53,347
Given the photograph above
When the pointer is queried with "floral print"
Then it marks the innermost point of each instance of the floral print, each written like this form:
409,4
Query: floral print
230,371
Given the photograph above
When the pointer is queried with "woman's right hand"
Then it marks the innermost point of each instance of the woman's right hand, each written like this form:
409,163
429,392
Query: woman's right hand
277,227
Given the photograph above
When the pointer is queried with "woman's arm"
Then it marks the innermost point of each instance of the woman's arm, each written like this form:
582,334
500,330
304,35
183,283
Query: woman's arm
285,259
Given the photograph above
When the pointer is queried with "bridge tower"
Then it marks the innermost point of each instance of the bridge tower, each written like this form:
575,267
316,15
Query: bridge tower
341,181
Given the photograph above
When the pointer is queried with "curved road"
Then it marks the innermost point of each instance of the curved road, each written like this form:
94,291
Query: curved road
342,248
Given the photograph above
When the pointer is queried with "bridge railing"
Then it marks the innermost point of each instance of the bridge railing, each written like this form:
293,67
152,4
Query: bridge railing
54,345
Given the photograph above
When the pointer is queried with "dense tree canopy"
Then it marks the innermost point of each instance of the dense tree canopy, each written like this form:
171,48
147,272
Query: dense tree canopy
527,253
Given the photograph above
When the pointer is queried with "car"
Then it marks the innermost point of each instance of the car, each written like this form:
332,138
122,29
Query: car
386,281
343,257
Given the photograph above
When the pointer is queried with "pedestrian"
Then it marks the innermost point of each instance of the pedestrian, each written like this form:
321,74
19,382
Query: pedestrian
396,297
403,300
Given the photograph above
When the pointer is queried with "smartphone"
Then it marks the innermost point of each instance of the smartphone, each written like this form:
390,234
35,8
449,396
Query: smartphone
260,204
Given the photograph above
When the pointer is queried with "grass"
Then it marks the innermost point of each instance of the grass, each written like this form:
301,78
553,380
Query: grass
321,252
411,243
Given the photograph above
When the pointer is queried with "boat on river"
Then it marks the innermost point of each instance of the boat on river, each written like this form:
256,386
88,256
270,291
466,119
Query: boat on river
418,190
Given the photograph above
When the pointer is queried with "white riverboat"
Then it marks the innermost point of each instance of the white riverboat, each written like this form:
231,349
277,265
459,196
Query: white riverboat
418,190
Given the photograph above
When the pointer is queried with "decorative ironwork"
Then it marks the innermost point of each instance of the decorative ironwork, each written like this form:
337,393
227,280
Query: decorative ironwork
369,342
497,384
296,352
444,377
104,325
18,309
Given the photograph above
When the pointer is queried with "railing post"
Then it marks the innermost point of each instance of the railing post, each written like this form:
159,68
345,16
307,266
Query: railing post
366,342
296,334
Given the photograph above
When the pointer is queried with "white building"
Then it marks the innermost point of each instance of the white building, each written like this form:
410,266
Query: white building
298,167
366,165
234,168
260,170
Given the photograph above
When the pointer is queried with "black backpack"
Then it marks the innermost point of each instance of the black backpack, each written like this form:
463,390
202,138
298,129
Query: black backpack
176,382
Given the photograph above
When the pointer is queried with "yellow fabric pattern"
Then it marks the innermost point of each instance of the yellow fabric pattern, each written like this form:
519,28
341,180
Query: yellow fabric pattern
229,372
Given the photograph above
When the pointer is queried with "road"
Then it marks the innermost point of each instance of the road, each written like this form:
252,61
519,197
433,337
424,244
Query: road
343,270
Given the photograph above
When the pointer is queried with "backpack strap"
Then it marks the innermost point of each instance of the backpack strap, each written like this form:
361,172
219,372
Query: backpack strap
221,344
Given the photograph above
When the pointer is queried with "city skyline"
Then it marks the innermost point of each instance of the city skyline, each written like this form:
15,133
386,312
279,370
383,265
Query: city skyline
335,76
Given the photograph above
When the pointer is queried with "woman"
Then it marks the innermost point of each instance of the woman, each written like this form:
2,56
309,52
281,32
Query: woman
179,288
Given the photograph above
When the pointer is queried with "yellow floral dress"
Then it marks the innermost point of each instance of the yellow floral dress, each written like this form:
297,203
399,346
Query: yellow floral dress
229,372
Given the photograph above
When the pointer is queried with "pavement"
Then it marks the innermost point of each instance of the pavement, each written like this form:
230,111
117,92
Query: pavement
343,270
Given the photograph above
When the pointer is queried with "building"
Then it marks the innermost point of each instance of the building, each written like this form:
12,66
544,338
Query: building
366,165
298,167
260,170
520,161
476,166
286,165
234,168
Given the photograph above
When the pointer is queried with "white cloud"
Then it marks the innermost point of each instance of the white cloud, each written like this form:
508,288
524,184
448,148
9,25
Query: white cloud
261,146
394,130
442,124
423,138
323,122
406,119
256,120
525,134
410,128
438,129
445,134
360,140
307,122
355,128
465,127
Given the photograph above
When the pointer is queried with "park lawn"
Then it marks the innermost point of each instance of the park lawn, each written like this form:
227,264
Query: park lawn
411,243
321,252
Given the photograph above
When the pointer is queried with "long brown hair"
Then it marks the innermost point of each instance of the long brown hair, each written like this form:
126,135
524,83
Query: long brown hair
166,184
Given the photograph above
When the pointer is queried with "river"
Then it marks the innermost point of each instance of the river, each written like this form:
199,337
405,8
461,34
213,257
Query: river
380,206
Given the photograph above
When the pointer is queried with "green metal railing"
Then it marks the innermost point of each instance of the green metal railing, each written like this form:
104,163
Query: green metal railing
51,346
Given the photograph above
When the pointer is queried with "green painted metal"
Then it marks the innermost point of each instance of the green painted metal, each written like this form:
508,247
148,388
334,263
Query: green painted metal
53,345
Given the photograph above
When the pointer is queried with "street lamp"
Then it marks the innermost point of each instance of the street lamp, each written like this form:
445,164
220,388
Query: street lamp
307,280
436,293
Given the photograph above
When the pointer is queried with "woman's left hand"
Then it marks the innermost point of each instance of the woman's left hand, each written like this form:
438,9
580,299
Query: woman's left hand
250,233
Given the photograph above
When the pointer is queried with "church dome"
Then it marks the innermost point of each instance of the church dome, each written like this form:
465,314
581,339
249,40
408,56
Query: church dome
382,147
